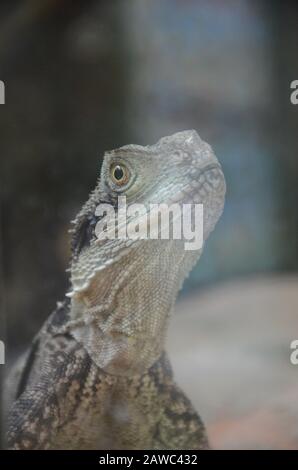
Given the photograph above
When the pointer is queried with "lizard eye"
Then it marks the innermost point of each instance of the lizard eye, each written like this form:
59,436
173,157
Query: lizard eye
120,174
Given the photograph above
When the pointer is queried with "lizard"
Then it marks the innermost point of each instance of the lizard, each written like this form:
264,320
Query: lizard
97,375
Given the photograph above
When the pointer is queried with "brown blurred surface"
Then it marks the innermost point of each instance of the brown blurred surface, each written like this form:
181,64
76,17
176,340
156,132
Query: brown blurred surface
230,350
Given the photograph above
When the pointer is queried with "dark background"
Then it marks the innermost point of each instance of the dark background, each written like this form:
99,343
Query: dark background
86,76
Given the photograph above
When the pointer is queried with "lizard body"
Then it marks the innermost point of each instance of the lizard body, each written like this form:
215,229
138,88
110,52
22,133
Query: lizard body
97,375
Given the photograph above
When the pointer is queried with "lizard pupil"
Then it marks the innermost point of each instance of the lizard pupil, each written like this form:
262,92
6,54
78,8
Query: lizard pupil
118,173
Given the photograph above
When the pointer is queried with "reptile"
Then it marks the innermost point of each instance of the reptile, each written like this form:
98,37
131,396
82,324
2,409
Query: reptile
97,376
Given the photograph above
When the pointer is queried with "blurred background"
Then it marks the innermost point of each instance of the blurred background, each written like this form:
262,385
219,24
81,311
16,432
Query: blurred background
86,76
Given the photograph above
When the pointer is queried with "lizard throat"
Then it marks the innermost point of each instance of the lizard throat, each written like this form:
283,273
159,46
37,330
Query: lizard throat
122,318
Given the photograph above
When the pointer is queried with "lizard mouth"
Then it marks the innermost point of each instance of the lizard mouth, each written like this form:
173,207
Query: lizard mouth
202,183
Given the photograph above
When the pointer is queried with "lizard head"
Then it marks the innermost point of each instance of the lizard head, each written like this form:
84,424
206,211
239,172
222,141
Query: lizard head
123,286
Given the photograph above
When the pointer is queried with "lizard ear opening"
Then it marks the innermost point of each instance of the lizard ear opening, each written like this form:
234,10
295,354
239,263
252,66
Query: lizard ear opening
83,234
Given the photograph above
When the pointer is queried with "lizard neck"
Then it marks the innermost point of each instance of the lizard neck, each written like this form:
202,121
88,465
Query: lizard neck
122,318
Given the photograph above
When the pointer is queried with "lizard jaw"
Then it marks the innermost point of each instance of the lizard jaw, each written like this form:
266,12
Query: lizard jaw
197,191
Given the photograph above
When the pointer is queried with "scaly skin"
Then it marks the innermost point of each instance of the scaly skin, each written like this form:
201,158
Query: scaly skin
97,376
